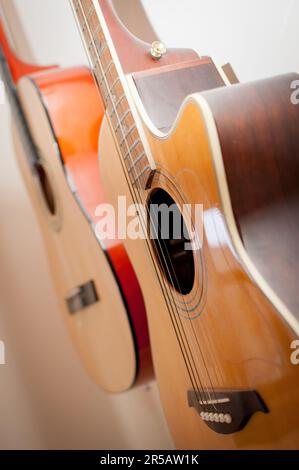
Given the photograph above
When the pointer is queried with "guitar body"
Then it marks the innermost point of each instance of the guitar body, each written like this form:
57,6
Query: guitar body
220,329
95,284
113,352
222,313
239,341
67,142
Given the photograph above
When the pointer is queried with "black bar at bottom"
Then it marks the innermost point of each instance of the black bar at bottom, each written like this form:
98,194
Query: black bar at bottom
134,459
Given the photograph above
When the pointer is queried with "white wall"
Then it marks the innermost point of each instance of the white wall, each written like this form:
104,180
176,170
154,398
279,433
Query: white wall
46,401
258,37
50,30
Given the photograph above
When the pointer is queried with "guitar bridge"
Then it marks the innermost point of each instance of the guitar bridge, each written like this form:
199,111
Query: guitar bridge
82,297
226,411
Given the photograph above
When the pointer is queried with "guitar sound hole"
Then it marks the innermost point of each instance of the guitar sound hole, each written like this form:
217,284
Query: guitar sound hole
46,189
170,241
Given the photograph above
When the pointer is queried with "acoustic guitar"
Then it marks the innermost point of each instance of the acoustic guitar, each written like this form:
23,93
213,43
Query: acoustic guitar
56,127
223,315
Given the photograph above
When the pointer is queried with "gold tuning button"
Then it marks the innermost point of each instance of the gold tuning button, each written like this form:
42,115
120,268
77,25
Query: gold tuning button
158,49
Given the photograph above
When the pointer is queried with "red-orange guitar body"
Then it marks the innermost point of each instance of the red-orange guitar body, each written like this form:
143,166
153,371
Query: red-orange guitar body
74,111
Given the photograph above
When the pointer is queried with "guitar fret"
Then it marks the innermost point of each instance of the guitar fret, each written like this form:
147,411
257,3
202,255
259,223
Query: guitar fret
117,104
89,13
123,140
140,174
114,83
86,17
132,148
80,15
106,96
112,90
97,62
96,31
92,42
85,26
93,45
122,120
141,156
100,52
104,74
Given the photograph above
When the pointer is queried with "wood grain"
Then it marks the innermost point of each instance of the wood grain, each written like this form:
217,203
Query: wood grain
133,53
76,257
162,91
258,130
238,340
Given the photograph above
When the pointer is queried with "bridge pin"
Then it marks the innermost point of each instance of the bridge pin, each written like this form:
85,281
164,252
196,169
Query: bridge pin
228,418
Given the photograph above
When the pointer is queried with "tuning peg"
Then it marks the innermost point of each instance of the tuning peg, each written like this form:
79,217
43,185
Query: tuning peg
158,49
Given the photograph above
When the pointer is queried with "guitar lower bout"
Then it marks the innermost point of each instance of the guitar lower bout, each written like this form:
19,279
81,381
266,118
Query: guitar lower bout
89,295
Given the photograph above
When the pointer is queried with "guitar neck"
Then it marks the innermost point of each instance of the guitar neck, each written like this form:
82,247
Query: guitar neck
113,89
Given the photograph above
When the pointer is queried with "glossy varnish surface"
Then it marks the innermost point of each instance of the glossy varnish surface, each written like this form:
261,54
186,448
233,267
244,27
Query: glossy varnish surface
110,83
163,90
258,129
133,53
63,93
56,98
101,332
225,333
236,338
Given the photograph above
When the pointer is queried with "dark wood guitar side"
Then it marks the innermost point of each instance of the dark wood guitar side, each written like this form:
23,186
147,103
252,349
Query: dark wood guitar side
258,127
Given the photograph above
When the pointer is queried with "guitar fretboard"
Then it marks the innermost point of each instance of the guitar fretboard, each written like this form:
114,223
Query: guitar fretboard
113,94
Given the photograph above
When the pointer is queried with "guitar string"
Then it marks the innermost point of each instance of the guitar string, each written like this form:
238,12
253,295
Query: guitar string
129,185
192,326
103,75
116,113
